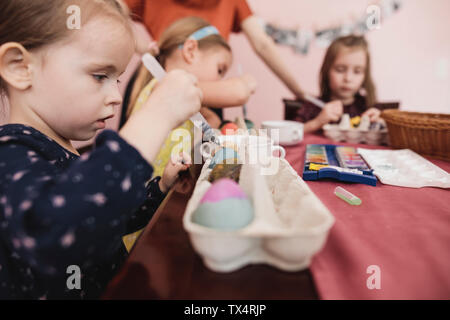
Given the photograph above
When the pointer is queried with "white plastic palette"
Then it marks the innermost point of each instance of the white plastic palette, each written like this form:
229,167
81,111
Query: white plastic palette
405,168
290,223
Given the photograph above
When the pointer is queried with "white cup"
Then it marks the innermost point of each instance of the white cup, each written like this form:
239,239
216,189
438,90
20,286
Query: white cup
261,149
284,132
250,149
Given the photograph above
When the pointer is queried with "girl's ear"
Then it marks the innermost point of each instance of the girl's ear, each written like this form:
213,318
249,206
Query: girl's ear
190,50
15,66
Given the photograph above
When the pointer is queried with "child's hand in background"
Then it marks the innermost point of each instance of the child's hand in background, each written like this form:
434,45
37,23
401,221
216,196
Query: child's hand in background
176,164
373,114
332,111
250,82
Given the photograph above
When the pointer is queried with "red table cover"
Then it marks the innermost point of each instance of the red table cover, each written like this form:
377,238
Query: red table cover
403,233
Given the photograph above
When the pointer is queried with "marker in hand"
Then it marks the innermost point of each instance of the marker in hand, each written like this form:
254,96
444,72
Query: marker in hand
315,101
244,106
199,121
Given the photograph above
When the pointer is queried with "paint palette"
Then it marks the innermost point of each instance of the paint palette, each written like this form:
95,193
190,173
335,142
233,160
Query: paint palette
316,154
349,158
336,162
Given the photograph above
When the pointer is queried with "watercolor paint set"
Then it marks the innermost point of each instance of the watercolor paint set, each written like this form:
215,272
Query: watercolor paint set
323,161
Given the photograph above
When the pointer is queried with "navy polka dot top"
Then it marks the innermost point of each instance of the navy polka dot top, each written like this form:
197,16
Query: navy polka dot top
59,210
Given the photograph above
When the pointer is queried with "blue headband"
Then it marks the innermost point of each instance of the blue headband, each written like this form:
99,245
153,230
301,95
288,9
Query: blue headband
202,33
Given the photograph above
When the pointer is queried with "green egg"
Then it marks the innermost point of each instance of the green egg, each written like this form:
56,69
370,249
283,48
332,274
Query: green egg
226,215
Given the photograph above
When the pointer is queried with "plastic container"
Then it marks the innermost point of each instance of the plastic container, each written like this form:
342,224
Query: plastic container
290,223
405,168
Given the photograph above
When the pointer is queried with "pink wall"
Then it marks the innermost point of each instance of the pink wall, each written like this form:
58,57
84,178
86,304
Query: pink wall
411,53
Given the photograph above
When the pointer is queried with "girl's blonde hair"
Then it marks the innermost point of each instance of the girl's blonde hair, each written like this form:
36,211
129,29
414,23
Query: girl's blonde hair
352,42
37,23
174,36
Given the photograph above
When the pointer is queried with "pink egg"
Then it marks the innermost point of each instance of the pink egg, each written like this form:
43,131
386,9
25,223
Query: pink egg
223,189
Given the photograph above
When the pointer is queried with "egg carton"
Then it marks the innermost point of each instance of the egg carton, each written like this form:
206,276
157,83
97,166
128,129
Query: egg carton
405,168
289,227
354,135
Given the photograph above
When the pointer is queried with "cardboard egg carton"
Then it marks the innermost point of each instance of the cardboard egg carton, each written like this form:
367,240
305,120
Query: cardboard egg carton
364,133
289,227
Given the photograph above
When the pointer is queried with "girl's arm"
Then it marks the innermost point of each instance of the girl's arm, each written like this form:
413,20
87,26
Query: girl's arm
57,216
142,216
332,111
266,49
229,92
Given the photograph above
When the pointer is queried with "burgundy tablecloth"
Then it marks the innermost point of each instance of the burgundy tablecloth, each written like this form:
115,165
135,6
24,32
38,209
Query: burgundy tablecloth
404,232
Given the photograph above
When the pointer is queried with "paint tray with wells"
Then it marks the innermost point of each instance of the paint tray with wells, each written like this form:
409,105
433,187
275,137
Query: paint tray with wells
342,163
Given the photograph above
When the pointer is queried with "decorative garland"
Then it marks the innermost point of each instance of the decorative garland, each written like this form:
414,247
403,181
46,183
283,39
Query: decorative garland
300,40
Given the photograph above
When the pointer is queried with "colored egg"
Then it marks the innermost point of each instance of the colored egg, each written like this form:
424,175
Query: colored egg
231,171
224,207
229,128
355,121
231,145
222,155
224,122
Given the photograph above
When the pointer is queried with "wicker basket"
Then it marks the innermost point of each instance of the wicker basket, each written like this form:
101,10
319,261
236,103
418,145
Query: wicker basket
425,133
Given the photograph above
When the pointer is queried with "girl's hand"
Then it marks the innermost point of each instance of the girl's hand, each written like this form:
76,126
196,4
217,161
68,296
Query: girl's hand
373,114
250,83
332,111
153,48
177,97
176,164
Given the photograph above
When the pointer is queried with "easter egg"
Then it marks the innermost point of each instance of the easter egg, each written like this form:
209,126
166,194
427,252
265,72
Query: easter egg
222,155
229,128
231,171
224,122
224,207
355,121
231,145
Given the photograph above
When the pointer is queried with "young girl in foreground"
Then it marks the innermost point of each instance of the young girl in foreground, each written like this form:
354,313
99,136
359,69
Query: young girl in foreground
345,83
58,209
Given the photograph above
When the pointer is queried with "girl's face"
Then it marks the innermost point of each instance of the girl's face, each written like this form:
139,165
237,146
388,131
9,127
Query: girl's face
75,85
347,73
211,64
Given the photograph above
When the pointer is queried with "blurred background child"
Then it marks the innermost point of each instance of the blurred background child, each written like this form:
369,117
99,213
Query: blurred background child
193,45
345,84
